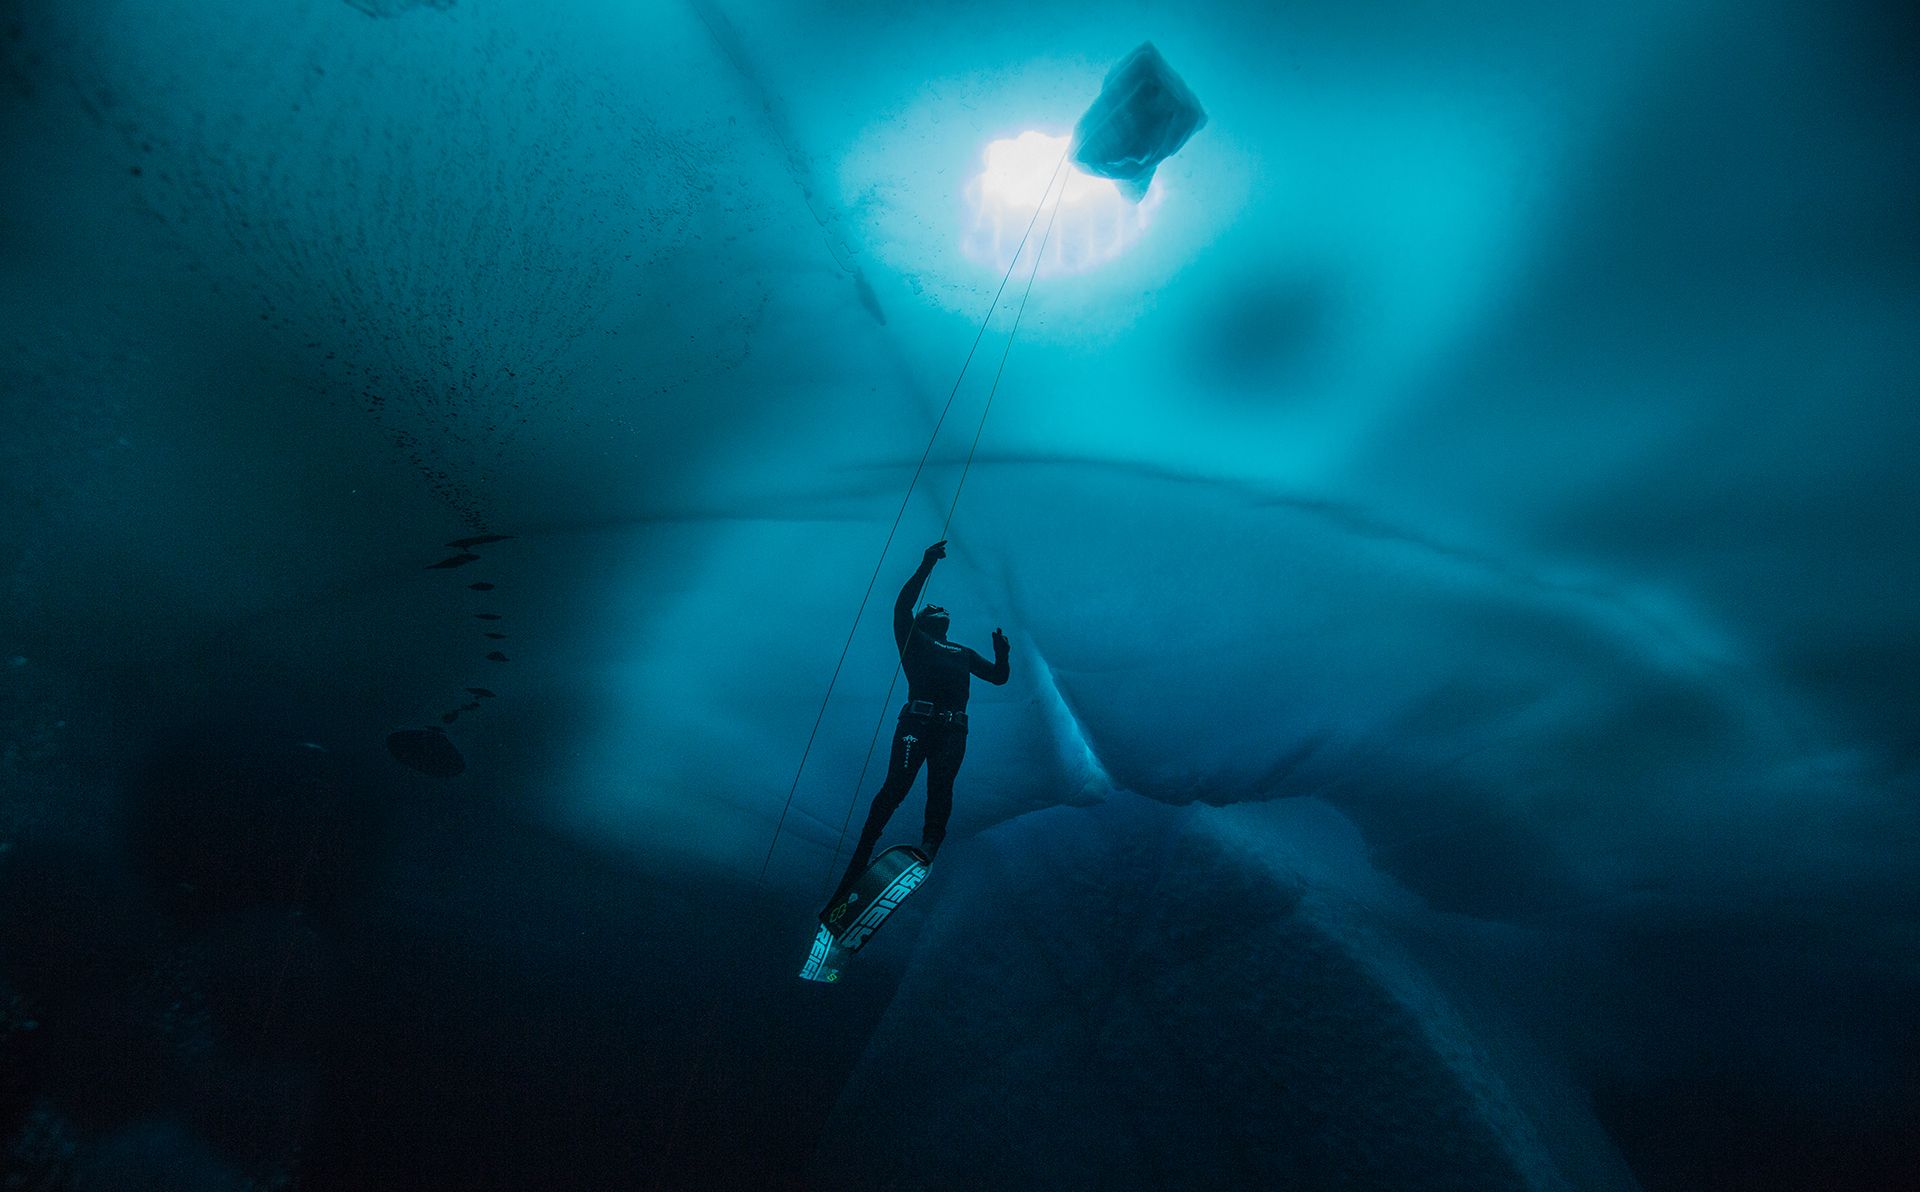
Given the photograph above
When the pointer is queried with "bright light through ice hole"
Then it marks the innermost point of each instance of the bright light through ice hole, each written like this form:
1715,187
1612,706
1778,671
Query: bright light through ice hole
1095,223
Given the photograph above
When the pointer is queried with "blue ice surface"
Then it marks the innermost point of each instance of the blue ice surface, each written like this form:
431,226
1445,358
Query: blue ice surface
1497,427
1141,117
1140,996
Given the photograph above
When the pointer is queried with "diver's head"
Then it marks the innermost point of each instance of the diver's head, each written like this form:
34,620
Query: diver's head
932,620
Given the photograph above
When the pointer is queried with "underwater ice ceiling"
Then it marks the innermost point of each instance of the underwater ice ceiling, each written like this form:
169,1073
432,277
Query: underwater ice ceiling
1492,428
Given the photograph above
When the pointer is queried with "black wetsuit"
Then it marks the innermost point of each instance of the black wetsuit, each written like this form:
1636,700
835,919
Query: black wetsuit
929,731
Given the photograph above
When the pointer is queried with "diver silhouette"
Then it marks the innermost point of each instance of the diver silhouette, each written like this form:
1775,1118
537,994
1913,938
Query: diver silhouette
932,729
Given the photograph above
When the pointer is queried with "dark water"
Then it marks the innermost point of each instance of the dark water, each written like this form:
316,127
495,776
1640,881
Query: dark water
1456,535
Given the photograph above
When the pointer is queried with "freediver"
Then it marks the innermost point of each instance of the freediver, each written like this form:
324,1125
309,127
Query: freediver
932,728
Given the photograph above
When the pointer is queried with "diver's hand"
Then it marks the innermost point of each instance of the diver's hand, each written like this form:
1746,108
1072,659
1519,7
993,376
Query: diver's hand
935,552
1000,644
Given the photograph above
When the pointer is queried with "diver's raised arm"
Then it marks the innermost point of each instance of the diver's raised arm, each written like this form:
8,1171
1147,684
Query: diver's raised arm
996,673
910,592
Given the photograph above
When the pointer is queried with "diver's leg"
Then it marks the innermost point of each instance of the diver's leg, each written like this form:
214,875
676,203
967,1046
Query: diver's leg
943,765
909,751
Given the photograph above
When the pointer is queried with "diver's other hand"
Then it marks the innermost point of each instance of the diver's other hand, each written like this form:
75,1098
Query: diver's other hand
1000,645
937,551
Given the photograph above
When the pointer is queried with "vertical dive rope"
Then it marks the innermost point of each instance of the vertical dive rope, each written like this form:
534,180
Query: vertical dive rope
907,498
880,723
705,1032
